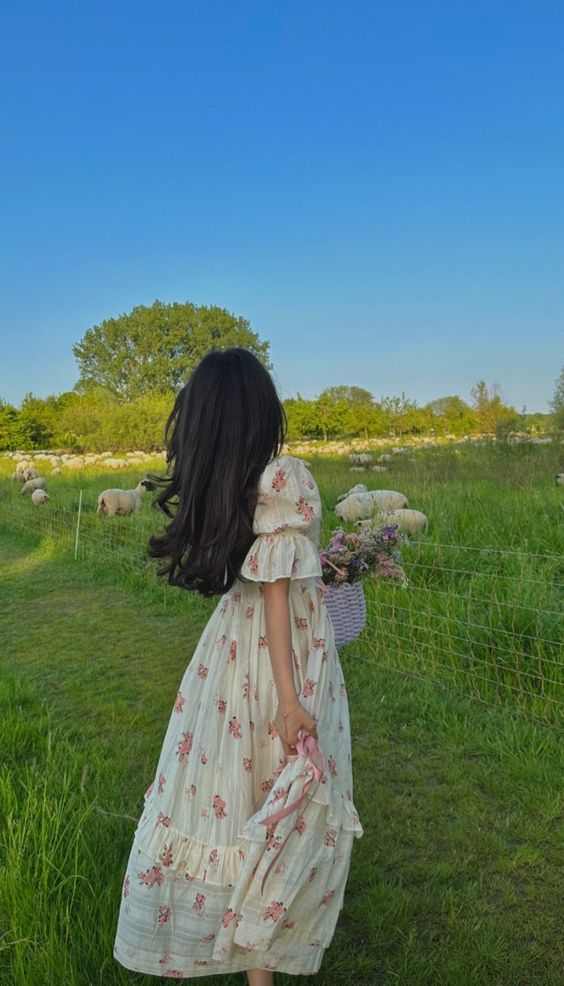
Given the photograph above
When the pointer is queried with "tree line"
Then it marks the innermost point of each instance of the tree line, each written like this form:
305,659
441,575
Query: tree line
131,367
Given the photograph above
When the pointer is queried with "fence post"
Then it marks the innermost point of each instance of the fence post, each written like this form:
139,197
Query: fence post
77,526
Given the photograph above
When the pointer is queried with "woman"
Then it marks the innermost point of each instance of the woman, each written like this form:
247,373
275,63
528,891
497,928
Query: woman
242,852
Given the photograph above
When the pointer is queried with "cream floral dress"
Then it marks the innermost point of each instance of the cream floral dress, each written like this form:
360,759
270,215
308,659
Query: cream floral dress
200,896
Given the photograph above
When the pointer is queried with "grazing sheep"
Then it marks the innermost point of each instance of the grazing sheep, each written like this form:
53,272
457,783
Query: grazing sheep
39,483
30,473
560,478
39,496
359,506
379,469
56,471
410,521
385,457
123,502
360,458
112,463
359,488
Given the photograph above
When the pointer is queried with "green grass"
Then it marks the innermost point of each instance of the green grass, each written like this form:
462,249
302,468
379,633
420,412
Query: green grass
458,877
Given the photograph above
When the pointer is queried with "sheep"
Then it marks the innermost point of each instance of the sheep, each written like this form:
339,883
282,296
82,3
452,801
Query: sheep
379,469
38,483
359,488
385,457
56,471
112,463
560,478
360,458
123,502
39,496
30,473
411,521
358,506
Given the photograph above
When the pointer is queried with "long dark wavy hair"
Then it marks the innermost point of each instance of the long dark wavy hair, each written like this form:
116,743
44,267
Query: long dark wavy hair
227,423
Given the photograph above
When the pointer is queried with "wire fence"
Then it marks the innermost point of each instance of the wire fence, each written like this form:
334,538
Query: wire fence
489,620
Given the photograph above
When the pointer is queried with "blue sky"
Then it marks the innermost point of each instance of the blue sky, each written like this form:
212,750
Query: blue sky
377,187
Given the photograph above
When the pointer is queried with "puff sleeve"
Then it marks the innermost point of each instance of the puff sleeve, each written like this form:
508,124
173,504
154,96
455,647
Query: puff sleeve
287,521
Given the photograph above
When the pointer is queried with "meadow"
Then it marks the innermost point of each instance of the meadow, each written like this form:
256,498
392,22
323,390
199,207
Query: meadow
456,696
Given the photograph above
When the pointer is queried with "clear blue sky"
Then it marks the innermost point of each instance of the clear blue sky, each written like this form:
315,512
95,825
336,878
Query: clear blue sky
377,187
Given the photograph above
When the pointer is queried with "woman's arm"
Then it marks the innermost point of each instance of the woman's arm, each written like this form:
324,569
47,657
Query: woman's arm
279,637
290,717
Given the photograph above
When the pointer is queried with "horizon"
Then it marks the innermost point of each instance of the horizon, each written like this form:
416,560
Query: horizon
377,191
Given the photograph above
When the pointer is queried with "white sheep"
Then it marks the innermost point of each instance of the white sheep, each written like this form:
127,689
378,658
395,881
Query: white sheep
30,473
411,521
123,502
359,488
560,478
56,471
39,496
360,458
359,506
379,469
39,483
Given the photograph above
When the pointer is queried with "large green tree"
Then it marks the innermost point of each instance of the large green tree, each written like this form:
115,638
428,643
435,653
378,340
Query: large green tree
153,349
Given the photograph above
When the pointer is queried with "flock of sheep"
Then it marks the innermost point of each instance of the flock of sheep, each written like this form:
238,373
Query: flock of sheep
111,502
358,505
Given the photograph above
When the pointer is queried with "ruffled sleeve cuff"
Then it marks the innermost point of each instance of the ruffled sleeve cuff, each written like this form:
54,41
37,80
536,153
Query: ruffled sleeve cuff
283,554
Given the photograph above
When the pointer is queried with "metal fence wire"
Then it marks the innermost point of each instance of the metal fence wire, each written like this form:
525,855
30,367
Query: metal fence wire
488,620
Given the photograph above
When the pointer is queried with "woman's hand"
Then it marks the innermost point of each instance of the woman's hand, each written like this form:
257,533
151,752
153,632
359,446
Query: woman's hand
289,725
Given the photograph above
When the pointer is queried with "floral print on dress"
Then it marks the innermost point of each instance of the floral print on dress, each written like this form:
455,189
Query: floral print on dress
166,855
218,806
184,746
274,911
279,480
305,509
199,904
151,877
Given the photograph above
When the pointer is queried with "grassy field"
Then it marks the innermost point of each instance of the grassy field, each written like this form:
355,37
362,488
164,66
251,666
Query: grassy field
458,877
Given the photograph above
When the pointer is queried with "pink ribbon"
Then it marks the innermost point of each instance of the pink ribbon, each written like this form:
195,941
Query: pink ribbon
308,747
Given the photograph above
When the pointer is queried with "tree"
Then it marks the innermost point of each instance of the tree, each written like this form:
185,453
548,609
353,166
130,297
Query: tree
10,434
489,408
450,415
557,403
352,395
154,349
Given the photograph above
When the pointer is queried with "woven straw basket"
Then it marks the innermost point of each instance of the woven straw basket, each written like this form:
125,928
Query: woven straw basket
347,609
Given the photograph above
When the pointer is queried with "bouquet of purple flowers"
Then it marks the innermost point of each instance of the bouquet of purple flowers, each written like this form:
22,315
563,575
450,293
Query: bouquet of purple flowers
372,553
